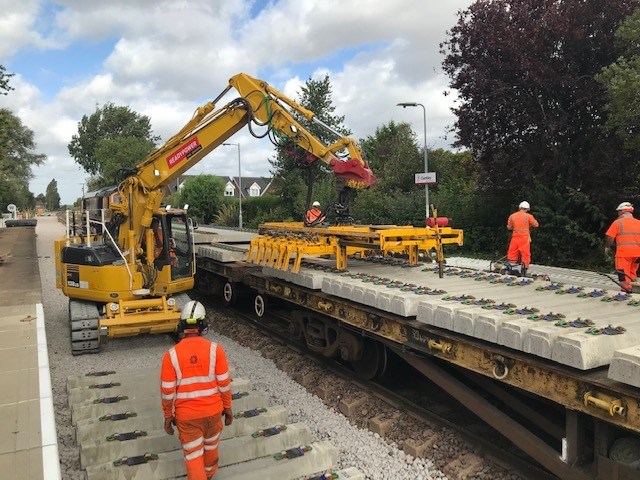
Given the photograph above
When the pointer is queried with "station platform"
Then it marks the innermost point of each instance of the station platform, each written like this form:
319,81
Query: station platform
28,441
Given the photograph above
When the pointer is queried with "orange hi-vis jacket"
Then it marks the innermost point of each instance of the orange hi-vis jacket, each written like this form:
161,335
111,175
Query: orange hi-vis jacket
195,380
519,223
313,215
626,231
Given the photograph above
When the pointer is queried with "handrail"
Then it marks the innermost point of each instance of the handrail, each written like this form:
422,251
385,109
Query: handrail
105,229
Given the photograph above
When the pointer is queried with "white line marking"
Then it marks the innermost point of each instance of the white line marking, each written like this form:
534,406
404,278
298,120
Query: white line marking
50,457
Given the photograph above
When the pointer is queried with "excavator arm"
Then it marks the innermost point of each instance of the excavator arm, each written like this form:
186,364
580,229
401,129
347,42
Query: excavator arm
260,105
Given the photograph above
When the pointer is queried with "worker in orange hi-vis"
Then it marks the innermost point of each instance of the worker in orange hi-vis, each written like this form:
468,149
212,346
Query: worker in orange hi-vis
196,393
520,224
314,215
624,232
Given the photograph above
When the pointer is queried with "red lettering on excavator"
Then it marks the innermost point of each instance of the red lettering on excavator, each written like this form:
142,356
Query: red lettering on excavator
185,151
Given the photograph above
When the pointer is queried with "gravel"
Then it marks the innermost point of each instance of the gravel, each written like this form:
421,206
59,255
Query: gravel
358,447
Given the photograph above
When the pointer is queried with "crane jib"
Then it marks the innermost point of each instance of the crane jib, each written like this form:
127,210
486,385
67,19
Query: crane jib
185,151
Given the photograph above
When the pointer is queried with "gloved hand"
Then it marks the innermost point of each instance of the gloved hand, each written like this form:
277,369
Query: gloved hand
228,416
607,251
167,425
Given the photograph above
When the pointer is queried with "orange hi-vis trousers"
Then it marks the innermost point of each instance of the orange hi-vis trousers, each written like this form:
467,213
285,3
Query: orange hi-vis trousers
199,438
629,266
520,245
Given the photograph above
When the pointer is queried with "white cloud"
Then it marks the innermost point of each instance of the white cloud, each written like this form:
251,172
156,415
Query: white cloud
171,56
16,26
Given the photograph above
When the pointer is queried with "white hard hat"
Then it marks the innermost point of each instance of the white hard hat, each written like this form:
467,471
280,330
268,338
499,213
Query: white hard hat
315,204
625,206
524,205
193,312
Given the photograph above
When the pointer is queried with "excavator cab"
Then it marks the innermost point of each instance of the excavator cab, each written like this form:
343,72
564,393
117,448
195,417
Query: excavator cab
172,244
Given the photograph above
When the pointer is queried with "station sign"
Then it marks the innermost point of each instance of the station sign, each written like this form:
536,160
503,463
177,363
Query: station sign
428,178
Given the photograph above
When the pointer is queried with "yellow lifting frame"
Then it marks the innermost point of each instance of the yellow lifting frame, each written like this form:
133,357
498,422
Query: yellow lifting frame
280,241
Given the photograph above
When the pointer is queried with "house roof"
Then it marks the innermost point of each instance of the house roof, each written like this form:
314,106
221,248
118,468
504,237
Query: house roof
247,182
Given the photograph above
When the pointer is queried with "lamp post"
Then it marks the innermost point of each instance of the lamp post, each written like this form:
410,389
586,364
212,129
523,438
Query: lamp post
426,158
239,183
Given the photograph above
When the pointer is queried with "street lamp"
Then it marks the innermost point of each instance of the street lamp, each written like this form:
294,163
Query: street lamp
239,183
426,158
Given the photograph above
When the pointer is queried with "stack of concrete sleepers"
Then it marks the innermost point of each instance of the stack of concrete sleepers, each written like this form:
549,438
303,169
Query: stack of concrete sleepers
224,253
229,235
210,235
119,429
573,325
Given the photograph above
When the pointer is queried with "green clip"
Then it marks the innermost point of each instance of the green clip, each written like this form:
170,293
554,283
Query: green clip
293,452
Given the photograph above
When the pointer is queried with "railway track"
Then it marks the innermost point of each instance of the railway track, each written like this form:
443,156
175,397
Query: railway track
422,401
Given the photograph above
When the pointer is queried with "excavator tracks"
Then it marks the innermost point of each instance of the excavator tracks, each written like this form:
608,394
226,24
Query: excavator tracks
84,322
119,430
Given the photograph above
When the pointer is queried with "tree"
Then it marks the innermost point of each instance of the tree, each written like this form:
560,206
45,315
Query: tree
5,88
40,198
204,194
529,107
621,81
393,156
52,197
16,161
108,122
115,155
294,178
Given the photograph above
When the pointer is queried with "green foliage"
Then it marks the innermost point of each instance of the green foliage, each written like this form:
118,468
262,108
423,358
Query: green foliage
16,148
621,80
227,216
268,208
108,122
295,185
394,156
378,207
204,194
528,105
116,154
52,197
571,226
40,198
16,161
5,88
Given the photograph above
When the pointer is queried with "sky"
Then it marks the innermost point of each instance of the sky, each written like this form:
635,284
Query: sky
165,58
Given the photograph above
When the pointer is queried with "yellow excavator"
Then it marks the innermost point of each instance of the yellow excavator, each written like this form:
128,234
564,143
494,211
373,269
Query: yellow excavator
126,276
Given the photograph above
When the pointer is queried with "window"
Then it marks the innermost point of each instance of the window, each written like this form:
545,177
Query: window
254,190
229,190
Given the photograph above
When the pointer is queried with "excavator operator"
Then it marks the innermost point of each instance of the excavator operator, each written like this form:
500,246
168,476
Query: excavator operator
158,241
